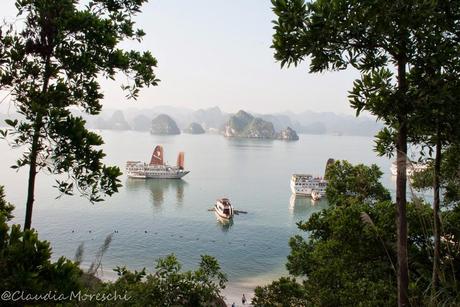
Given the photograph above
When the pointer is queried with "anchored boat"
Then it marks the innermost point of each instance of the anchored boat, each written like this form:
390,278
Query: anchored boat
157,168
224,209
305,184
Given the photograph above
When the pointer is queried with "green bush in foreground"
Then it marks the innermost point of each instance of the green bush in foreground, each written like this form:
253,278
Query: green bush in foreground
168,286
25,261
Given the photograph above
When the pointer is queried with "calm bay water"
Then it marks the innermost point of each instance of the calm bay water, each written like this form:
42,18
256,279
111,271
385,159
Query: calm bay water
158,217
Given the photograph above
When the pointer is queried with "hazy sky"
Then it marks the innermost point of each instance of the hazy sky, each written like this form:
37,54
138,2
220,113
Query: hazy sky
217,52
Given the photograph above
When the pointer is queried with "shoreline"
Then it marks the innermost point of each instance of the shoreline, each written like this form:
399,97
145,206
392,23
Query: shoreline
234,289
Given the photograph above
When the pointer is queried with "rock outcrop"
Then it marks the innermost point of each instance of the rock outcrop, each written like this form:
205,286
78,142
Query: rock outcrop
165,125
194,128
287,135
244,125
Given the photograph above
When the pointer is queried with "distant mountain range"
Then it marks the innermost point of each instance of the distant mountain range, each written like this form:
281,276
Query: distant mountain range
214,120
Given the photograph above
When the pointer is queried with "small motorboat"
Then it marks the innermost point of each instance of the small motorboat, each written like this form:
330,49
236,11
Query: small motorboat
224,209
315,195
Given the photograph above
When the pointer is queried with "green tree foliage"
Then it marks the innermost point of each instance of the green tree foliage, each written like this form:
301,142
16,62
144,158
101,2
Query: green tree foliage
349,257
285,292
25,261
169,286
435,88
6,209
359,182
392,44
446,249
448,291
52,64
450,177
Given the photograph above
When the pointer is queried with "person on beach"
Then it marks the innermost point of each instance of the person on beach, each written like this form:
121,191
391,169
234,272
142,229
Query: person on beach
243,299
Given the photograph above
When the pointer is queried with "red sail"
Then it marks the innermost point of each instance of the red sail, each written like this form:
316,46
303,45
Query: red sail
157,156
180,160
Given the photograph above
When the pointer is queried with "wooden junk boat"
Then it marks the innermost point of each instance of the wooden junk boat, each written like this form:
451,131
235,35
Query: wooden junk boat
157,168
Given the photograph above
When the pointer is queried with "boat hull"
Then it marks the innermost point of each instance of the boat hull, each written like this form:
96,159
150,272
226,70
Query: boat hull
140,170
221,214
172,175
300,191
222,218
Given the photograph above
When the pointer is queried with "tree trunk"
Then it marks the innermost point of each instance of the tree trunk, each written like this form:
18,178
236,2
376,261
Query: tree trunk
437,222
32,176
401,223
401,216
35,150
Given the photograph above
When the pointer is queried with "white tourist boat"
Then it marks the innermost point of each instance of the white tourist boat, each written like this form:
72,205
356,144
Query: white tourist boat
411,168
224,209
305,184
156,169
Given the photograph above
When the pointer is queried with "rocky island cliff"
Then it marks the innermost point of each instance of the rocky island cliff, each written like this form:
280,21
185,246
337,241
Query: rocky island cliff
244,125
287,134
194,128
164,125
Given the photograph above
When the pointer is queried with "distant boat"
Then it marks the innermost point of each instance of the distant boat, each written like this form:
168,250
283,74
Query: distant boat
156,169
305,184
411,168
315,195
224,209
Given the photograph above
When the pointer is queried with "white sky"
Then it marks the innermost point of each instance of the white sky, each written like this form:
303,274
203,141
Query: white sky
216,53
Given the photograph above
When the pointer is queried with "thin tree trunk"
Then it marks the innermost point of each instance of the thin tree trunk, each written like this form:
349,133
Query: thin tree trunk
32,177
401,223
401,216
437,222
35,150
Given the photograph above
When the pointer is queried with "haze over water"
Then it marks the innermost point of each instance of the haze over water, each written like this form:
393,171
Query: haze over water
155,218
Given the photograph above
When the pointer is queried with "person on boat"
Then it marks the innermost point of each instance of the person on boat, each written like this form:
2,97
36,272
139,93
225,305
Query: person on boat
243,299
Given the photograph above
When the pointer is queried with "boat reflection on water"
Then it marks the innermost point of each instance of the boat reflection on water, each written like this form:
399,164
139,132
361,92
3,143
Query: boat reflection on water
158,188
302,207
224,224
